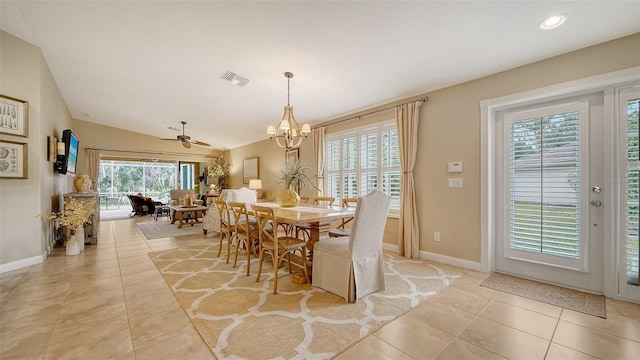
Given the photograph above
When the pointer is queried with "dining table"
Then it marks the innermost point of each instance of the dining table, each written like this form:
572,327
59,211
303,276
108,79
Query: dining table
317,219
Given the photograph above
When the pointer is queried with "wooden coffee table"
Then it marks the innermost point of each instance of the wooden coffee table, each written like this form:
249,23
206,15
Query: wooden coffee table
187,214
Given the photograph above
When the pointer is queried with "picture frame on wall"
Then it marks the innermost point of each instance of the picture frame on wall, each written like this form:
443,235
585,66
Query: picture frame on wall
291,156
13,160
14,116
250,169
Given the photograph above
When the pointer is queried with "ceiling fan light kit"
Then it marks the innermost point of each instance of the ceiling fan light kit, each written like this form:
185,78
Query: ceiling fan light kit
185,140
288,134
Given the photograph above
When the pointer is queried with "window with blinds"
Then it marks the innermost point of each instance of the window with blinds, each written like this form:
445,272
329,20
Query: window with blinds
544,178
363,159
633,186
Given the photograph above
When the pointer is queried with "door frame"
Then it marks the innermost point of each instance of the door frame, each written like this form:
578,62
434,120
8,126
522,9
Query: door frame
488,110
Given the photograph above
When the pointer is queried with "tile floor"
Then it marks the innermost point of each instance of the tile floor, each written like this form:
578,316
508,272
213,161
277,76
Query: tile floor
110,302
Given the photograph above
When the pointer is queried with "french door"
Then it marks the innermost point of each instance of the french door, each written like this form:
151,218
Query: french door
628,235
549,219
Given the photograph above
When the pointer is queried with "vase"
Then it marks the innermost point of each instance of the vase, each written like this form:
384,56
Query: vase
72,244
82,183
288,198
80,237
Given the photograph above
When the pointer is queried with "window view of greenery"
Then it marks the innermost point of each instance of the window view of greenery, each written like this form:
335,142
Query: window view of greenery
633,171
119,178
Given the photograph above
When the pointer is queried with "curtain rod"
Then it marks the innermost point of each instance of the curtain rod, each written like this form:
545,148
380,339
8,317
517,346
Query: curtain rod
423,99
149,152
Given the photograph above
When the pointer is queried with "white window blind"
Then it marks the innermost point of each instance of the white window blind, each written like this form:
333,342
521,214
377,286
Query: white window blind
544,182
633,186
363,159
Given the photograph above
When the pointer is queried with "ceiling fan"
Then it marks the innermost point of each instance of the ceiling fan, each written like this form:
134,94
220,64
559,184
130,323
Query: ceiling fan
185,140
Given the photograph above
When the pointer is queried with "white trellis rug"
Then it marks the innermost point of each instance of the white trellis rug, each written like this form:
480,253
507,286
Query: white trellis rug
240,318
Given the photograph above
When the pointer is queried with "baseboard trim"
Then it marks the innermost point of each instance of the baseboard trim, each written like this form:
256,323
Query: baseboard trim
390,247
461,263
14,265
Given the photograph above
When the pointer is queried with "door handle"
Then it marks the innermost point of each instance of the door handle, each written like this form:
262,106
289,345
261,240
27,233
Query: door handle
596,203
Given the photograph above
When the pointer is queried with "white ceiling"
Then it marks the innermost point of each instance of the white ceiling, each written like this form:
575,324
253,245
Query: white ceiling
146,65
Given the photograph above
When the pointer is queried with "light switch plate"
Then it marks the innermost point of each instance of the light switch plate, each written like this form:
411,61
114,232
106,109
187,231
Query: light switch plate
455,182
455,167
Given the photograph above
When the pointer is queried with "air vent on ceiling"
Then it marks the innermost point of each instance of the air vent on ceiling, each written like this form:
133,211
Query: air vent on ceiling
235,79
173,128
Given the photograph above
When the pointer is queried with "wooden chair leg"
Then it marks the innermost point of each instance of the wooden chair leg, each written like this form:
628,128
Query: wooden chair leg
304,263
235,261
275,272
221,237
260,265
248,259
229,239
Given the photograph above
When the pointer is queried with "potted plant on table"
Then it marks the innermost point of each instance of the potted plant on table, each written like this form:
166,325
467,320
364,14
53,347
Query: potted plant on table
75,215
294,176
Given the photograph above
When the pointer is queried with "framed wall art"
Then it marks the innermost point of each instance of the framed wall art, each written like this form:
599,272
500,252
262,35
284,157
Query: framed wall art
250,169
14,116
13,160
291,156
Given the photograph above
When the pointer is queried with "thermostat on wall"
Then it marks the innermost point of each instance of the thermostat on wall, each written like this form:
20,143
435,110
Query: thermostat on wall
455,167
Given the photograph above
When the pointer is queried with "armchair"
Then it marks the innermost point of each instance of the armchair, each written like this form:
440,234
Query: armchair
352,266
177,197
141,205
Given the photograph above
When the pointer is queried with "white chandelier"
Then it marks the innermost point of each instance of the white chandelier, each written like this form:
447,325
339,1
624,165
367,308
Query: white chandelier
288,134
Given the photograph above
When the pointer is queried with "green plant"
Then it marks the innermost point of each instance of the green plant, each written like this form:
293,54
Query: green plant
218,166
294,173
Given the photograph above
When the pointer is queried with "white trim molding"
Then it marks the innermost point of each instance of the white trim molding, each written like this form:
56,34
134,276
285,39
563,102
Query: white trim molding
488,109
19,264
444,259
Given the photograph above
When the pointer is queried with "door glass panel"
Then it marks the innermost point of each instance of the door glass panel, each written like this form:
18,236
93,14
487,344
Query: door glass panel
544,177
633,205
544,170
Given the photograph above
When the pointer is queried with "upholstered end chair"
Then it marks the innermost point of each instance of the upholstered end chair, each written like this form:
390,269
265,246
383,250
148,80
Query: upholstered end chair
211,221
352,266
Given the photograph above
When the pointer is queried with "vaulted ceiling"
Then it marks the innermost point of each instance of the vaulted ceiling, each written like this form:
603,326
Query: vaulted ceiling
146,66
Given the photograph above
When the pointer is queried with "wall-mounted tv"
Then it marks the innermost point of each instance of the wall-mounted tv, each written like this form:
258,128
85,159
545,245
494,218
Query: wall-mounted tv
67,162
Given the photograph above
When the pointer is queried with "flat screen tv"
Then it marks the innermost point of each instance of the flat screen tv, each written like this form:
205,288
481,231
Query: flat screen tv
67,163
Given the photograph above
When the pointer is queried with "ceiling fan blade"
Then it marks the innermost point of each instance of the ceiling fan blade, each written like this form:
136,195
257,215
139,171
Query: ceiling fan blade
169,139
199,143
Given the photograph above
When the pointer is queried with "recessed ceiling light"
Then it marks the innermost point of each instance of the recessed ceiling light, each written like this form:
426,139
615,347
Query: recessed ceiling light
553,21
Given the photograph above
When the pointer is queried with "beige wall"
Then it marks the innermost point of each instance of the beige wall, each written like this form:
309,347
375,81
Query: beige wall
24,238
450,131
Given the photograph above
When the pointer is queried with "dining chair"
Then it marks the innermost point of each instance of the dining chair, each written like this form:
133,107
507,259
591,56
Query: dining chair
353,266
347,203
323,200
227,225
245,232
304,232
279,247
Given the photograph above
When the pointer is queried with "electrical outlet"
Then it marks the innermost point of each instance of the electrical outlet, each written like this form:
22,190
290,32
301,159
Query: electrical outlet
436,236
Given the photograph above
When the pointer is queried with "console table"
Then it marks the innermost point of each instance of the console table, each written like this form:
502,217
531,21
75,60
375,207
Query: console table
90,231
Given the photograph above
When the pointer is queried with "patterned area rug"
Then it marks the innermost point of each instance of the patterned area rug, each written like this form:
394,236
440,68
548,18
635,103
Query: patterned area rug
240,318
163,229
555,295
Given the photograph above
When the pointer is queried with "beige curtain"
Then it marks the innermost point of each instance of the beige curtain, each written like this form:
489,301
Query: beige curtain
318,157
94,167
407,120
